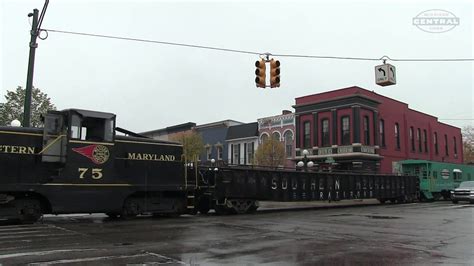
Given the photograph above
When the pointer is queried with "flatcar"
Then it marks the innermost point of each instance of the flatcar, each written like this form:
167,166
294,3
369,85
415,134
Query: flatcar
437,179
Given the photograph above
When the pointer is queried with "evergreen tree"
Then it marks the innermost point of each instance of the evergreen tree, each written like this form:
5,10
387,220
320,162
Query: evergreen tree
13,107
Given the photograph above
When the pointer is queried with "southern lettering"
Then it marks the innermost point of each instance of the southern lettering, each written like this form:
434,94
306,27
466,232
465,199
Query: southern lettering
150,157
17,149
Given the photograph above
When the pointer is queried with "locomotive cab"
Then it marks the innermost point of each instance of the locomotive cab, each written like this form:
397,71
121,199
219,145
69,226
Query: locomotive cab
74,125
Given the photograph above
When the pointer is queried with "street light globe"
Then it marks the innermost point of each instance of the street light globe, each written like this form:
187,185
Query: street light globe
15,123
310,164
305,152
213,161
300,164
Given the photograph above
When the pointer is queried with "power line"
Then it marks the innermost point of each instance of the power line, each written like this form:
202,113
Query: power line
260,54
153,41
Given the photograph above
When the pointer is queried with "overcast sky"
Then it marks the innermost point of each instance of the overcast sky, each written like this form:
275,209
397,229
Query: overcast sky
151,86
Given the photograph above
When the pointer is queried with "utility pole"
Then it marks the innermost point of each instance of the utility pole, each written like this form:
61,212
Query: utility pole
35,30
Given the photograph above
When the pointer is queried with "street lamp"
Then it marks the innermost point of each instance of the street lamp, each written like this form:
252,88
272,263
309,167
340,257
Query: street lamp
305,163
213,161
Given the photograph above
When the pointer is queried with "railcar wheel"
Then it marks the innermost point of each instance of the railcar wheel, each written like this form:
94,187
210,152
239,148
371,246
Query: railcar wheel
112,215
203,205
204,208
253,208
240,206
130,209
29,210
221,210
455,201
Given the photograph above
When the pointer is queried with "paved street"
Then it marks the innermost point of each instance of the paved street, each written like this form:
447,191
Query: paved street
418,233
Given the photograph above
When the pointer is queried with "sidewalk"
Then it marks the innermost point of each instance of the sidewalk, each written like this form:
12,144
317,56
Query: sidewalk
299,205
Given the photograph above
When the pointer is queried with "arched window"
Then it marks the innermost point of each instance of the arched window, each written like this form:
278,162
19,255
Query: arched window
263,138
276,136
288,143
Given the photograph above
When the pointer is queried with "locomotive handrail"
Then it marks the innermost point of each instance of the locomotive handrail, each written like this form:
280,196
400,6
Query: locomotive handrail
50,144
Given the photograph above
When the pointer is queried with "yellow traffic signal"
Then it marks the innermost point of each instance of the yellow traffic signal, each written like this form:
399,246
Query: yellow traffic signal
274,73
260,73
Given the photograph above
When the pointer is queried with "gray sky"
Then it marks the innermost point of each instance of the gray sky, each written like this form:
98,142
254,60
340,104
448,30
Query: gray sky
150,86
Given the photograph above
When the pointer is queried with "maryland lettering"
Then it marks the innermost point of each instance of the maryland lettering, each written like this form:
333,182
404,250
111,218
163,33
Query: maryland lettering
150,157
17,149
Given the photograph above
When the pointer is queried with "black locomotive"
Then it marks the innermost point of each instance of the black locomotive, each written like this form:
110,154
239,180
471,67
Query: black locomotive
77,164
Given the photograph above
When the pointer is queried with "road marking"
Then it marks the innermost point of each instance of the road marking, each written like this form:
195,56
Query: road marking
454,206
89,259
19,227
37,235
21,232
22,229
168,258
43,253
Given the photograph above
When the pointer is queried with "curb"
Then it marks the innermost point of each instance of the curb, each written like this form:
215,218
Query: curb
306,208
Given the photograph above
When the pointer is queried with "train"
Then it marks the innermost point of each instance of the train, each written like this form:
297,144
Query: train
437,179
77,163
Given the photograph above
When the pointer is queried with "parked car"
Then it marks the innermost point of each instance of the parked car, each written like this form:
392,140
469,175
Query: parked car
464,192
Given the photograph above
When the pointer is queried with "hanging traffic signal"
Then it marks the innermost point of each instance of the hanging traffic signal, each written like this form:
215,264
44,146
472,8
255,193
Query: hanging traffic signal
260,73
274,73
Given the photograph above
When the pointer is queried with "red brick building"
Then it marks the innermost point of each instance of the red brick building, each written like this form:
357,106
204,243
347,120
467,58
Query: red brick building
353,128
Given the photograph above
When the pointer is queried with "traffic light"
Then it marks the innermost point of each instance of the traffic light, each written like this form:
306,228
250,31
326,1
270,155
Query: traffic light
260,73
274,73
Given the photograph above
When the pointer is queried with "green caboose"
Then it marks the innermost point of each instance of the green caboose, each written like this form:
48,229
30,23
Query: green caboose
437,179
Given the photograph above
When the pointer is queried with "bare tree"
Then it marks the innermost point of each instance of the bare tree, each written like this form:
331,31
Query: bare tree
468,144
192,144
270,153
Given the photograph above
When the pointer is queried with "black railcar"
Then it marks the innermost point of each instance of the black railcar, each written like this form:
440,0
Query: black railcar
238,189
77,164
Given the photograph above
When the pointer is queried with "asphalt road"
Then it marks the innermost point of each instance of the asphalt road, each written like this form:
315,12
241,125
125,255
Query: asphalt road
409,234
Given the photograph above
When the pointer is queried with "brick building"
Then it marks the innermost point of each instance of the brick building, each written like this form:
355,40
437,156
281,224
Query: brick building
282,128
356,129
